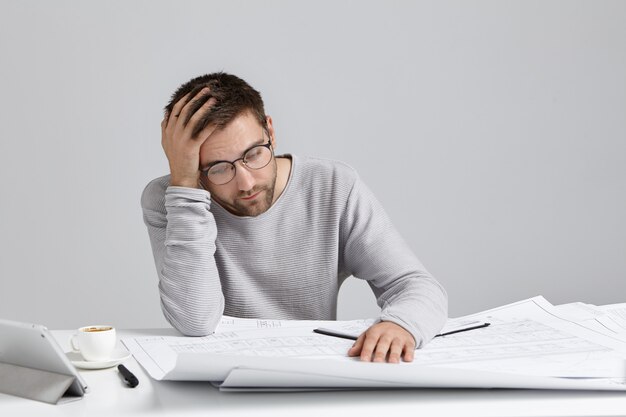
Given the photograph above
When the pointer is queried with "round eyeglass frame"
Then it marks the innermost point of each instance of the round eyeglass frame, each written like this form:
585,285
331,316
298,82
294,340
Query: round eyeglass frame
267,145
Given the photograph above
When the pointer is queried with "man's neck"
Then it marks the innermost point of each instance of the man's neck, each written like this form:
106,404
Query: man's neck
282,175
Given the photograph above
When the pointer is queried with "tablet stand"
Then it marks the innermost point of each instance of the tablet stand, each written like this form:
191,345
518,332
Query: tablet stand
36,384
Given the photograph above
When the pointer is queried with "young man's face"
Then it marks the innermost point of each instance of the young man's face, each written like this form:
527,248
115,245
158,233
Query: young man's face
251,191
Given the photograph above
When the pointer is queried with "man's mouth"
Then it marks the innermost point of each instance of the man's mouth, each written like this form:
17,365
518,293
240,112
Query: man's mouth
252,197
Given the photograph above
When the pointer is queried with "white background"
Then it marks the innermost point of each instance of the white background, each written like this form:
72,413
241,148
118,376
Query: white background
493,132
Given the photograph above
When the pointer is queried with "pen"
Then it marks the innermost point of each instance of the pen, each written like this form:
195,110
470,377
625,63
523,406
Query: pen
335,333
328,332
128,376
480,326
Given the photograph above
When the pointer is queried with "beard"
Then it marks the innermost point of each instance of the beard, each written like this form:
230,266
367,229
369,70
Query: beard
257,206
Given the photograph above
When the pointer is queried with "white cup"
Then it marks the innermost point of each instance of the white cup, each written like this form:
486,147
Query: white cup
95,343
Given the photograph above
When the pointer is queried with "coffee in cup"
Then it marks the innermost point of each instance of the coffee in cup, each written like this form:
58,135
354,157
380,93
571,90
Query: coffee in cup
93,329
95,343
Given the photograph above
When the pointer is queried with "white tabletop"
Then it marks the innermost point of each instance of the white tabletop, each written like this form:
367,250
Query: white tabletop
110,396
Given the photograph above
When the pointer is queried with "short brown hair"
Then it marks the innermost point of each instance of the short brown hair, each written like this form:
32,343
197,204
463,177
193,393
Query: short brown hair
233,95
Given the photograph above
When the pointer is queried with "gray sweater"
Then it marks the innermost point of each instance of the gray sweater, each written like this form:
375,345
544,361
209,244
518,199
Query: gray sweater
289,262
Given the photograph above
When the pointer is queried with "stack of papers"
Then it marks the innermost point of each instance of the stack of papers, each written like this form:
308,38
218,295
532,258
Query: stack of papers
529,344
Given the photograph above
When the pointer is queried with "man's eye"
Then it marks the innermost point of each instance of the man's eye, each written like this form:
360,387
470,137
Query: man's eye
219,169
254,153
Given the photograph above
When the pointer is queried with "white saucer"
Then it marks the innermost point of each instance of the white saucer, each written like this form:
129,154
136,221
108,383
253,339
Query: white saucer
118,356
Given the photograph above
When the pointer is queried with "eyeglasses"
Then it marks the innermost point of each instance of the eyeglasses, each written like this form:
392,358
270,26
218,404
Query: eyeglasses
256,157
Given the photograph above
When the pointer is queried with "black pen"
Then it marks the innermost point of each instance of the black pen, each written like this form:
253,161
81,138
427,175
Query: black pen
480,326
128,376
335,333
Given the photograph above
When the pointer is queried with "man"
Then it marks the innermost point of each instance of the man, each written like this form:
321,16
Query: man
237,230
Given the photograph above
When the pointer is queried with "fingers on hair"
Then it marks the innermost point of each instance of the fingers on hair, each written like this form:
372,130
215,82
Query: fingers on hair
232,96
197,101
187,94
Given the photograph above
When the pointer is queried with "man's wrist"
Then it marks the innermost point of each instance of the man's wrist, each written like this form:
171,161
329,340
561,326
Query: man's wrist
184,182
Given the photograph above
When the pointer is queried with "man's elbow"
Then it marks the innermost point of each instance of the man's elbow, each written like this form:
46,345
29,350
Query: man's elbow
196,331
197,325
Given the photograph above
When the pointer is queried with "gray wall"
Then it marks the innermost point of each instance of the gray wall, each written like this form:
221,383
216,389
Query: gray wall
493,132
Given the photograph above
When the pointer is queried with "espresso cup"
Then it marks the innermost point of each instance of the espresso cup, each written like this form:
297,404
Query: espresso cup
95,343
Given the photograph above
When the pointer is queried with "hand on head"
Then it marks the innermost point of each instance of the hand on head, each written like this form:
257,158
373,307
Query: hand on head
180,139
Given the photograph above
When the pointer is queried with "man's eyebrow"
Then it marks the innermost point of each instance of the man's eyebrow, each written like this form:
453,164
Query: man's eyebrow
209,164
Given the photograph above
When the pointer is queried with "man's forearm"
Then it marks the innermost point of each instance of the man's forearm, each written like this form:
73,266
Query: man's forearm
420,305
189,284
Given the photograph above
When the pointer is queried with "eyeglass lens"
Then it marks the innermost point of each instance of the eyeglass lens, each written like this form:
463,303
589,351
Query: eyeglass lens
255,158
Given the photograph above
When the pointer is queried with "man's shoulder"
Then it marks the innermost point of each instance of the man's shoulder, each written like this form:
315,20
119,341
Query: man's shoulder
153,194
322,169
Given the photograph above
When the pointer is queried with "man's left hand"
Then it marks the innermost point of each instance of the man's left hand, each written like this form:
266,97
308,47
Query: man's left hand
384,340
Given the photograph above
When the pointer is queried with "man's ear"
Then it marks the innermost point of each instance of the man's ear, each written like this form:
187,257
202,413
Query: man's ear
270,130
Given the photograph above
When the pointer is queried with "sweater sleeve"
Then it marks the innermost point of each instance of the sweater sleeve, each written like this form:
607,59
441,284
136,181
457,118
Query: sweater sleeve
182,233
374,251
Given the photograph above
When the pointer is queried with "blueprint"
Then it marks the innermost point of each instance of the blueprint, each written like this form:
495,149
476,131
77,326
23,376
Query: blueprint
529,339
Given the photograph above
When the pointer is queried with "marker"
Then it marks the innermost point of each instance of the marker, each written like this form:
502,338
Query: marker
128,376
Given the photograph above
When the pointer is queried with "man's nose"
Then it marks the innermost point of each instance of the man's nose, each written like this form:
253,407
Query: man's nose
244,178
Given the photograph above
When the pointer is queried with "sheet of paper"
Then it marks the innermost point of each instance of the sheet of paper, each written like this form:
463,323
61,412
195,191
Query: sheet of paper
162,354
539,309
237,324
293,373
525,347
529,337
281,377
525,338
615,317
608,320
578,311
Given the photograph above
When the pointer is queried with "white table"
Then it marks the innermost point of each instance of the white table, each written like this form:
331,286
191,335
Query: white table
110,396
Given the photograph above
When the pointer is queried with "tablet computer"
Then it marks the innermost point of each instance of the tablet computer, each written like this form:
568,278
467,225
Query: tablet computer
33,346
